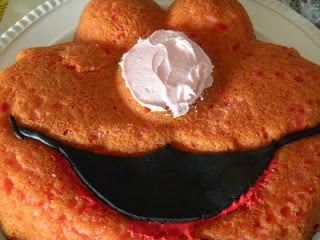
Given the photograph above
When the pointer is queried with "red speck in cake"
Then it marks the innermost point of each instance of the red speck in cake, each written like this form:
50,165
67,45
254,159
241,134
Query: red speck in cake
114,9
300,213
309,162
265,134
297,124
13,163
284,232
257,223
33,202
107,51
219,113
221,132
90,202
311,190
299,79
253,84
279,74
259,73
120,36
62,218
94,136
301,174
2,151
210,106
147,110
282,75
314,78
270,218
35,58
114,17
20,195
65,132
236,47
228,102
234,102
55,157
167,231
286,212
85,204
76,130
249,54
299,108
35,116
177,26
39,100
80,233
5,107
71,66
222,26
57,106
192,35
124,49
7,185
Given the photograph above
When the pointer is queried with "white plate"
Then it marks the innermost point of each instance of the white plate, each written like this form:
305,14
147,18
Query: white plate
55,21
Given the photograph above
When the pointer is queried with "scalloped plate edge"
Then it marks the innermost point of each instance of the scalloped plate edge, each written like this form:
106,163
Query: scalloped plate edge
21,25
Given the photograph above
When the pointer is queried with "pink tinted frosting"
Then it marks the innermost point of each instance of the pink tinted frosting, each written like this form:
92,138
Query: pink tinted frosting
167,71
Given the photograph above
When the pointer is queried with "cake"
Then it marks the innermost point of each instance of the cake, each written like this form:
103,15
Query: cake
74,92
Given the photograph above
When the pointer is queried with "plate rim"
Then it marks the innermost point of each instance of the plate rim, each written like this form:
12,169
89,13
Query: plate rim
285,12
7,37
288,14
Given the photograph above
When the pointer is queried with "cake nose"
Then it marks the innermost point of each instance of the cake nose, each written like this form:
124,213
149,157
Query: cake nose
167,71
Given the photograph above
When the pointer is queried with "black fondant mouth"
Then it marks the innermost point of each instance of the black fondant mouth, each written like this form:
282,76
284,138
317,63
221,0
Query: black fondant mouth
168,185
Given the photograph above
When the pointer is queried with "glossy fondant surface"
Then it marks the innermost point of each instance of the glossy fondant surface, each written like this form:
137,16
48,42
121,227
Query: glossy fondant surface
168,185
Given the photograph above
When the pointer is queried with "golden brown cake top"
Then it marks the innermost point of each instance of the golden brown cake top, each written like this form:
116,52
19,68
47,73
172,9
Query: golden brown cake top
75,91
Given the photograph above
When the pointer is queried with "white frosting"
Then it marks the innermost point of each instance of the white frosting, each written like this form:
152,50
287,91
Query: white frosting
316,236
167,71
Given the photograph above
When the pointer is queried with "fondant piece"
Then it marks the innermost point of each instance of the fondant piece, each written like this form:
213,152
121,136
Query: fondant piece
168,185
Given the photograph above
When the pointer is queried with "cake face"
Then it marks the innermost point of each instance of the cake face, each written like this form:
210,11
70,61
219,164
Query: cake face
75,93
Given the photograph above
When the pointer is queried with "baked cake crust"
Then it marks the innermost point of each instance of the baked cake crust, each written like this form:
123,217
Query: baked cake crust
74,93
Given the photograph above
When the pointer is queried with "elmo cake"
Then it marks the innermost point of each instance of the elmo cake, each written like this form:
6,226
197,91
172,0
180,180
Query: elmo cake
172,124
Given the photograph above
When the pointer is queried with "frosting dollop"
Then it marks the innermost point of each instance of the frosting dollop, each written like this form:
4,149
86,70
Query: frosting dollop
167,71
